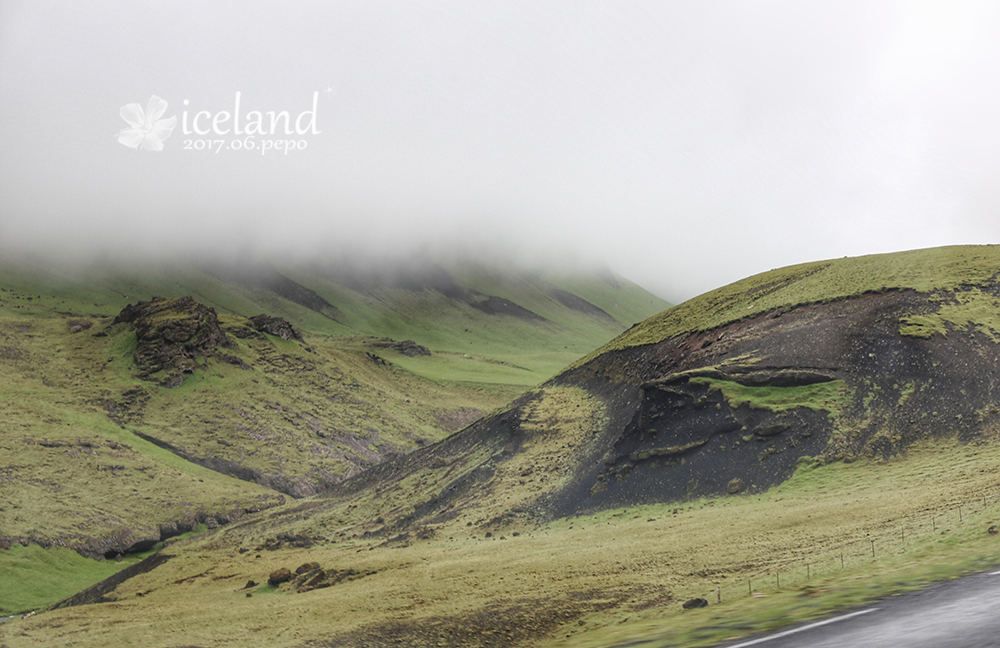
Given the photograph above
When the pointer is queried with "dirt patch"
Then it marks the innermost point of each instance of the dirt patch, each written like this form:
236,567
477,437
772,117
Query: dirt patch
455,420
571,301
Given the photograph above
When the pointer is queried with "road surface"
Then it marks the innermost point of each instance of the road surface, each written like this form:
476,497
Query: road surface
963,613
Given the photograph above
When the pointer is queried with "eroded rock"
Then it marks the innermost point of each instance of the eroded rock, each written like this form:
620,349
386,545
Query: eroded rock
276,326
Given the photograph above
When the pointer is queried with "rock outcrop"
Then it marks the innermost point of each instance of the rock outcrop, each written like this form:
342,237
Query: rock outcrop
276,326
408,348
172,335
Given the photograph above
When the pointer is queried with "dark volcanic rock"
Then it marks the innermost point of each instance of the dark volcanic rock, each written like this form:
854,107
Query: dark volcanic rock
98,593
411,349
171,335
738,408
307,567
289,540
406,347
279,576
319,578
569,300
275,326
694,603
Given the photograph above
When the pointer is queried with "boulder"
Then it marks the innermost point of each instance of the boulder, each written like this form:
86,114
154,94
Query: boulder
279,576
694,603
306,568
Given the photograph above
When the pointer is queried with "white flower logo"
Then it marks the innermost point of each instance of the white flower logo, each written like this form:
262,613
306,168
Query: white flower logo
148,130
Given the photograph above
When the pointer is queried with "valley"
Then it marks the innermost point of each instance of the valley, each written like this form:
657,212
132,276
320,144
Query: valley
757,429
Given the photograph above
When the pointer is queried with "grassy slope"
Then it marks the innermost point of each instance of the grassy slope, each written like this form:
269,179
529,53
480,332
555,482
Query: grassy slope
622,573
56,384
71,473
595,580
32,577
937,269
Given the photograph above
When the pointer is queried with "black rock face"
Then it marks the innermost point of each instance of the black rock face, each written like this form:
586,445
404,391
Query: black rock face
679,435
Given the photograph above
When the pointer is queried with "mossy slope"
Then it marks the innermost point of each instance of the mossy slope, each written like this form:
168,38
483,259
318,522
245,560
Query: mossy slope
653,443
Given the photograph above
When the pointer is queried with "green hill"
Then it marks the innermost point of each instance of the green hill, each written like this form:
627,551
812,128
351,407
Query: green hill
934,270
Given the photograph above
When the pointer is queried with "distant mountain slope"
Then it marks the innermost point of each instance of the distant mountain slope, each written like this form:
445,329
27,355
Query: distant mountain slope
491,325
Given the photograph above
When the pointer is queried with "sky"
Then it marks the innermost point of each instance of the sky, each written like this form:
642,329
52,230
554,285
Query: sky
684,145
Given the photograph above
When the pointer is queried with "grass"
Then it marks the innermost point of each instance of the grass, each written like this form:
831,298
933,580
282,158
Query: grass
32,577
826,396
932,270
921,326
69,472
593,580
74,465
480,566
444,323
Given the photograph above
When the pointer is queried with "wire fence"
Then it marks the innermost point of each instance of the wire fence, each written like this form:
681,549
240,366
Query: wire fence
895,537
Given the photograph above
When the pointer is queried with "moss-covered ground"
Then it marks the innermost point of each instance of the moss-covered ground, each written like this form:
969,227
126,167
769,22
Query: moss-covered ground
591,580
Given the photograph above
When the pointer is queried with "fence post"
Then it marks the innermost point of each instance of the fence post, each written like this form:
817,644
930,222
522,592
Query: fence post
959,513
718,593
873,547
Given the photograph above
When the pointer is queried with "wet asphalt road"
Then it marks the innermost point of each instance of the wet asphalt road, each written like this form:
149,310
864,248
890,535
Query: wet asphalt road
963,613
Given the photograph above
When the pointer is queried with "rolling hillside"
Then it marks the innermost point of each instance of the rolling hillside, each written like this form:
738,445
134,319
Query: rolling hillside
756,426
139,406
